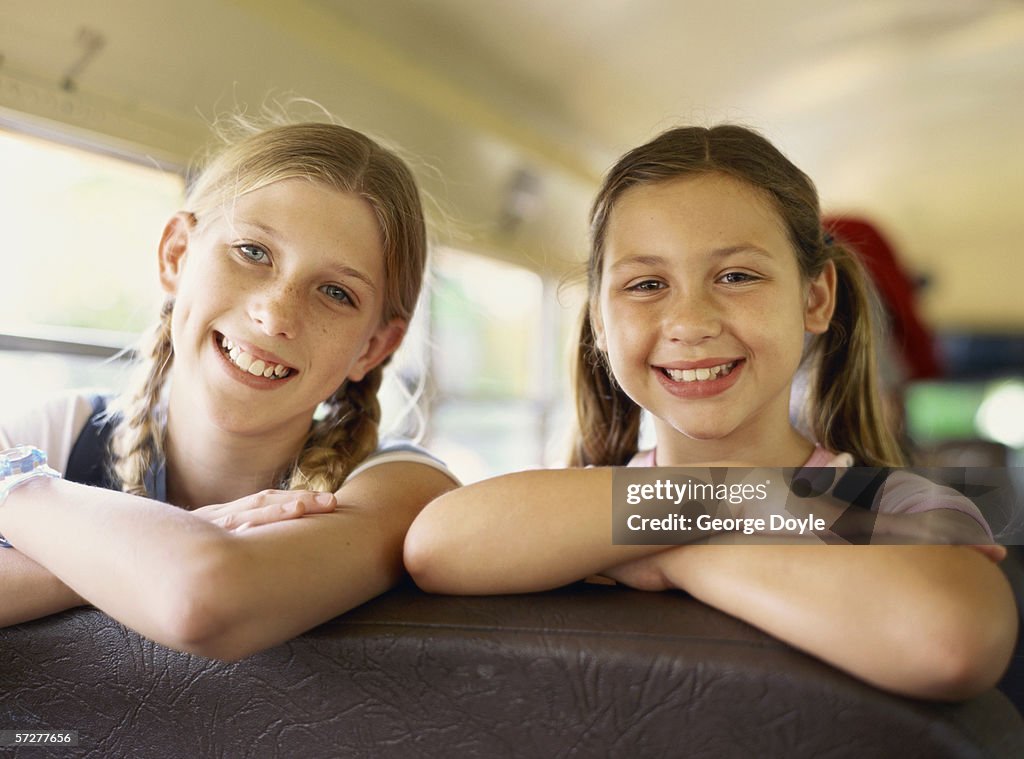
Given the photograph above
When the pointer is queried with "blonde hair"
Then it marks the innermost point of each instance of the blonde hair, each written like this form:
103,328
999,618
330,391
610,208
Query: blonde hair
341,159
843,410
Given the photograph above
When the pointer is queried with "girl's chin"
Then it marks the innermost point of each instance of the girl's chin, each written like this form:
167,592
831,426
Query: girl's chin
697,432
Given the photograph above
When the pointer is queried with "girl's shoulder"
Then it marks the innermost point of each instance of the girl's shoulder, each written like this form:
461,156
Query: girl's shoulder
52,425
819,457
643,458
906,492
823,457
400,450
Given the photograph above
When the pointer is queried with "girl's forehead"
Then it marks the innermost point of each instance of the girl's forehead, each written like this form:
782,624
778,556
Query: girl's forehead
692,219
695,195
701,206
302,206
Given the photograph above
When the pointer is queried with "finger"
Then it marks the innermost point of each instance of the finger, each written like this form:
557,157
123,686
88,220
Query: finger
314,502
274,512
209,512
319,503
994,553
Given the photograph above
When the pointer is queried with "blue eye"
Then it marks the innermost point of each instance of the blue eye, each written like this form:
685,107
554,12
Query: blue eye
336,293
253,253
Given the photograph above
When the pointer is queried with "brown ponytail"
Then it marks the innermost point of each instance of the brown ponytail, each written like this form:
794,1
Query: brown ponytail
844,409
609,420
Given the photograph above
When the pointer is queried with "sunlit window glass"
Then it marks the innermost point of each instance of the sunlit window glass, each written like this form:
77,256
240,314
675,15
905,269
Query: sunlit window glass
79,262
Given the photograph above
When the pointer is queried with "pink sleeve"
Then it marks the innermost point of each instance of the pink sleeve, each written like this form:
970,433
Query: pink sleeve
643,458
907,493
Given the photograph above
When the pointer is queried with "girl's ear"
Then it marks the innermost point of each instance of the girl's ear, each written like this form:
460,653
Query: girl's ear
173,247
381,344
821,300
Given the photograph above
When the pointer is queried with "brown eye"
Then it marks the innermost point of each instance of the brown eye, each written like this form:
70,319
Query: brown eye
738,278
646,286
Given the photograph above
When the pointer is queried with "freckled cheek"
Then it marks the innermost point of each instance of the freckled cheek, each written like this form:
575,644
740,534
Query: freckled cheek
629,333
334,339
775,333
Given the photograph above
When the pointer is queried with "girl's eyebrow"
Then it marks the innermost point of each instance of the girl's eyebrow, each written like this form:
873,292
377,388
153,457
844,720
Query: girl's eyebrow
743,247
348,271
623,263
259,225
652,260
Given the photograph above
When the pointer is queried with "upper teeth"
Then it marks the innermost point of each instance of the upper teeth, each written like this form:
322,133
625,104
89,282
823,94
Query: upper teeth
699,375
249,363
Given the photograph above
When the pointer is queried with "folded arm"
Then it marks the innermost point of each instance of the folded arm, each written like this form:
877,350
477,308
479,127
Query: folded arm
924,621
29,591
518,533
189,583
929,621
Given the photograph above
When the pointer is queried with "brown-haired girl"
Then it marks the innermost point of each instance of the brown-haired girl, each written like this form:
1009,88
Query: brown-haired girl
711,282
290,280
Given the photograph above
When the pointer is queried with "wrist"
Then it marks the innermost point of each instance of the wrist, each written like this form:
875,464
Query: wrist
18,466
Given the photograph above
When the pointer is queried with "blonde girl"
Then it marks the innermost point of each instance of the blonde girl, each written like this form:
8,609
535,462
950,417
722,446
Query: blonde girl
711,282
290,280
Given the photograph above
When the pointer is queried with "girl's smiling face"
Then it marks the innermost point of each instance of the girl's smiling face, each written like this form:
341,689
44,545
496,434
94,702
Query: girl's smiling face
702,312
278,301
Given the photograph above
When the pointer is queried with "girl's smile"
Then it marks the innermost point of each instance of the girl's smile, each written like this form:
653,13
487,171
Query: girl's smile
252,366
699,379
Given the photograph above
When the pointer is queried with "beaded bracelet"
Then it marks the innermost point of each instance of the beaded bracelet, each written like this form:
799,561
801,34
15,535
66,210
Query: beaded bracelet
19,465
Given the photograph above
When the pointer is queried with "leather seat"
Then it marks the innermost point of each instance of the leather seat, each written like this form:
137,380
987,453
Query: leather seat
586,671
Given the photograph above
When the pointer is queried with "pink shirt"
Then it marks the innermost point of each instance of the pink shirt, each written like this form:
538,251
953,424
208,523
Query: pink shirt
903,493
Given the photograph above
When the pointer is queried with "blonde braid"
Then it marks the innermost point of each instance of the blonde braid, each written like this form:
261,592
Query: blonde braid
137,439
340,441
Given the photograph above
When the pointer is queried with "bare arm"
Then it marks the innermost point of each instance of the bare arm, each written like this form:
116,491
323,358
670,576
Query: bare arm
517,533
193,585
29,591
925,621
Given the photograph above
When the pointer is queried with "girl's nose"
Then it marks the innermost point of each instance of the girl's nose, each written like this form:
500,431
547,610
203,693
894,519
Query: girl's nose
691,317
276,309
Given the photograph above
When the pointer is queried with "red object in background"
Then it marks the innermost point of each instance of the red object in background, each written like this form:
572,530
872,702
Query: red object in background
911,337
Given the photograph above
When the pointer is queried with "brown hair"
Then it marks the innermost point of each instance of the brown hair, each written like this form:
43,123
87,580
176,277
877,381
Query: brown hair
341,159
843,410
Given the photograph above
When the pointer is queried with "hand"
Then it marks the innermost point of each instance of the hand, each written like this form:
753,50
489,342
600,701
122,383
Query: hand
643,573
267,507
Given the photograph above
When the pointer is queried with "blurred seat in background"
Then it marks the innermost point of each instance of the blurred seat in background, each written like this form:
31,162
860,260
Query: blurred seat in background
912,340
972,452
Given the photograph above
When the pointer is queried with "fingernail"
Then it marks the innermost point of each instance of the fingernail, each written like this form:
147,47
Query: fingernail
325,499
243,527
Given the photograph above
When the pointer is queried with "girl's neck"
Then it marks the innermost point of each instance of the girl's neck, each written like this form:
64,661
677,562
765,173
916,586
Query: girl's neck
782,447
208,465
